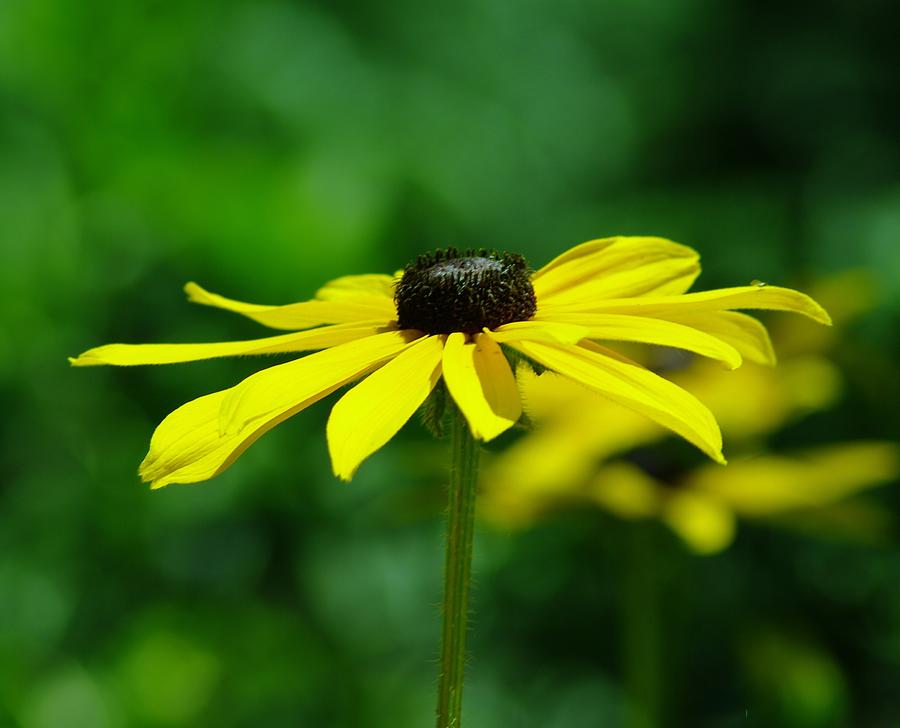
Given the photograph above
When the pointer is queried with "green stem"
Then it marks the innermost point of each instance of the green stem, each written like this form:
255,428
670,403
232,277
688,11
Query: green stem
457,571
642,631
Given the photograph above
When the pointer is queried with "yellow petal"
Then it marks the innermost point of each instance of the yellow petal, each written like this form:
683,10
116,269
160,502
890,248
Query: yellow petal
304,314
548,466
627,491
622,327
632,386
745,333
190,446
846,296
755,400
770,485
590,248
553,464
562,406
482,385
373,411
547,396
371,284
617,268
809,382
704,523
723,299
266,393
134,354
548,331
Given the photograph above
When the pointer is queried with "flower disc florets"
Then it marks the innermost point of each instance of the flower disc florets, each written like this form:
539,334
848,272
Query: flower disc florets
447,291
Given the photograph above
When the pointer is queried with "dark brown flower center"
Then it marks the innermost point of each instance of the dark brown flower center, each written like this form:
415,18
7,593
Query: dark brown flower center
448,290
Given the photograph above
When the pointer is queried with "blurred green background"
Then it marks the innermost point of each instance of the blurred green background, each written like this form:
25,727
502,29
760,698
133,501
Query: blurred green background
262,147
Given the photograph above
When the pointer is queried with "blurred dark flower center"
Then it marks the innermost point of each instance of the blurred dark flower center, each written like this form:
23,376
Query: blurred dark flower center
449,290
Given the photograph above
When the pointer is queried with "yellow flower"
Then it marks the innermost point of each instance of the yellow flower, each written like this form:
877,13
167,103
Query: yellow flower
703,505
586,449
446,317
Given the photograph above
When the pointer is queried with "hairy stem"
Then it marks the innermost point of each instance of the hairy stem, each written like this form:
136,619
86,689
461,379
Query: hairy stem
457,571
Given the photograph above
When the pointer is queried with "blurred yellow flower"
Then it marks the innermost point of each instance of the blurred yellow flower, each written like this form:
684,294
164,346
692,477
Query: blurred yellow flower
445,318
703,505
574,453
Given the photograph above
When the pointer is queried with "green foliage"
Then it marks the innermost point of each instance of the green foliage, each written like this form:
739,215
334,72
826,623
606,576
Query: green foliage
264,147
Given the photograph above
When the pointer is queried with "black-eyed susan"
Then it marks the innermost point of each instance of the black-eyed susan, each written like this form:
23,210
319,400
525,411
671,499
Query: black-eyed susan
452,316
458,318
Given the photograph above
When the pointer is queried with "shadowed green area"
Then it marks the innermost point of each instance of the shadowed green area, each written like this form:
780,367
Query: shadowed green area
262,148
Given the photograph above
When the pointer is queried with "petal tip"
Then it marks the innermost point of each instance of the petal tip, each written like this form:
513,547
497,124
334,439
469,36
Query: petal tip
490,435
144,471
151,476
806,305
147,469
816,311
345,475
86,359
193,291
341,467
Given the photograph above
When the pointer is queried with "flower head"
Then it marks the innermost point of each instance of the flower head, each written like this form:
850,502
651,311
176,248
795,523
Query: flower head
446,291
457,316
